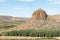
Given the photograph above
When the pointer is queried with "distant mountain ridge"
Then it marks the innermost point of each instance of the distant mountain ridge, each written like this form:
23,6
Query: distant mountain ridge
10,18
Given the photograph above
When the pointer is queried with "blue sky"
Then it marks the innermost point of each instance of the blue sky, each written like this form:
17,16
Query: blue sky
25,8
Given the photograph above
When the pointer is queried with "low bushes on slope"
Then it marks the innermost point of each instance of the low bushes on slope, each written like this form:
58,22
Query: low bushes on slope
33,33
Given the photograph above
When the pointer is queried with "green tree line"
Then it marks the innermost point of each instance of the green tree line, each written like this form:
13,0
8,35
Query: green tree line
33,33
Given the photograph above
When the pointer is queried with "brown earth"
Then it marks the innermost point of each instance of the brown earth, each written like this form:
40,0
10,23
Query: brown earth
19,37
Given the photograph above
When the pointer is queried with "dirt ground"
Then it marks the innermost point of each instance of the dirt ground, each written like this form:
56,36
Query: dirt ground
18,37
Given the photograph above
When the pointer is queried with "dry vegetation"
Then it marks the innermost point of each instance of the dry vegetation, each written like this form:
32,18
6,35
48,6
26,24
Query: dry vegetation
27,38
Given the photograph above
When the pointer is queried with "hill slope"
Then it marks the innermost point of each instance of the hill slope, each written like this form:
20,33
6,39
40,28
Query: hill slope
39,20
9,21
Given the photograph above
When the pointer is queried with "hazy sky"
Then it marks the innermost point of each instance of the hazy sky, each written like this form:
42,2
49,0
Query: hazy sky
25,8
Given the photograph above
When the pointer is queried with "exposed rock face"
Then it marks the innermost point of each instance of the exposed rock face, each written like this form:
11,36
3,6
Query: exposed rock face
39,15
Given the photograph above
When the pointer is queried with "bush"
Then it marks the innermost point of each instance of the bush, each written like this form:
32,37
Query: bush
34,33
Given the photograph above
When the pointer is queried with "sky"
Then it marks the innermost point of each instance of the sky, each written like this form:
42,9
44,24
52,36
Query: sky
25,8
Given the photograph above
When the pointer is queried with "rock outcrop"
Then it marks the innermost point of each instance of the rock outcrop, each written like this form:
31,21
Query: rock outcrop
39,14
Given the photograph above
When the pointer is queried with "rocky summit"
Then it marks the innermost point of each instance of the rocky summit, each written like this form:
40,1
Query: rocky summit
39,14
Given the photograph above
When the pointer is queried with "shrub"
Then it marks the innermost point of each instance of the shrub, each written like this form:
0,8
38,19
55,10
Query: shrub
34,33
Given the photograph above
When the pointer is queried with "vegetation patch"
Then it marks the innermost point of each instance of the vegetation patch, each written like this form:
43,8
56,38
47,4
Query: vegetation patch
6,27
33,33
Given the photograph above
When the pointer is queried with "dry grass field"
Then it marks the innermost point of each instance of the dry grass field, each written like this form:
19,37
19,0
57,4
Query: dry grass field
27,38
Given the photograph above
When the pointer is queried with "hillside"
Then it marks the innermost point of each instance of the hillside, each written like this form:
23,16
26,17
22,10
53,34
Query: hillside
9,21
10,18
39,20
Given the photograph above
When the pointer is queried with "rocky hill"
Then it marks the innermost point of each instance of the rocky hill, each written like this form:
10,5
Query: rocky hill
39,20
